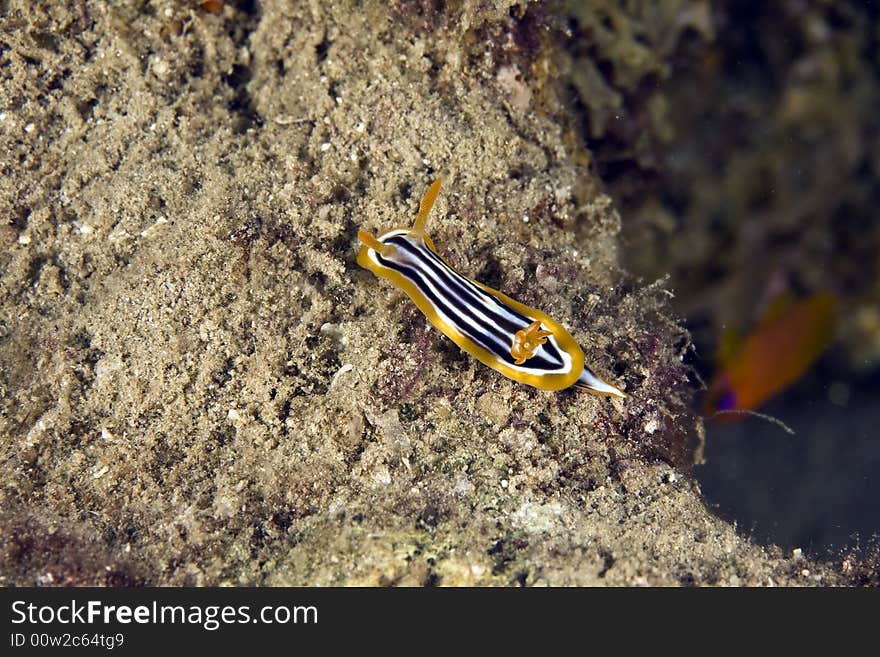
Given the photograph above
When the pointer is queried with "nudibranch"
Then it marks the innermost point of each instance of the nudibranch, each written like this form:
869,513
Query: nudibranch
522,343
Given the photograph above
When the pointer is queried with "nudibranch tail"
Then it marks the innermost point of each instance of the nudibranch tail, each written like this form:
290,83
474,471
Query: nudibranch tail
593,384
520,342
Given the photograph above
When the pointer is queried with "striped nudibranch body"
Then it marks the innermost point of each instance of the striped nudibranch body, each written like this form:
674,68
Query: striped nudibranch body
522,343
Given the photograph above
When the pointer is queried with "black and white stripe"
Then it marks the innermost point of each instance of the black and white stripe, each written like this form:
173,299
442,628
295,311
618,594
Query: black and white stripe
477,314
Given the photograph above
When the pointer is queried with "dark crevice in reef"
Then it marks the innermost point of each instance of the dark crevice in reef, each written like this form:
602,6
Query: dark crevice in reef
242,103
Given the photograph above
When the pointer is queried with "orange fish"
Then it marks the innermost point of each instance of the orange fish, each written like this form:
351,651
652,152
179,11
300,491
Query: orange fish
781,348
213,6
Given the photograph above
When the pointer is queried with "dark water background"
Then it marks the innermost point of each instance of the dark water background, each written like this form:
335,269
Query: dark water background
818,489
767,182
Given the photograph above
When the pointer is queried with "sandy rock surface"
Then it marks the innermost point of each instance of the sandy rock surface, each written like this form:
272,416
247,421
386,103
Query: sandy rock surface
198,384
